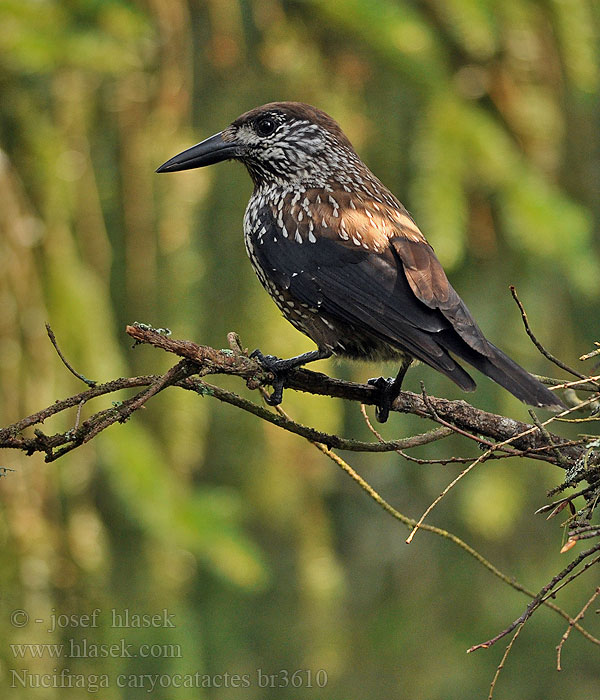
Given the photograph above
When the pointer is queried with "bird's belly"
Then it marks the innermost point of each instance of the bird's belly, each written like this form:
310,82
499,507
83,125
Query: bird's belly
327,331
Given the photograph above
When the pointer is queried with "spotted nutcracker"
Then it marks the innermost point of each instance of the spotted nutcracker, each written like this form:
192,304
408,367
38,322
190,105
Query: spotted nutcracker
343,259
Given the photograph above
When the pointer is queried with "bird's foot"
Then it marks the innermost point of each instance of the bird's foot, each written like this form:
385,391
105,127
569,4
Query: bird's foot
389,390
278,369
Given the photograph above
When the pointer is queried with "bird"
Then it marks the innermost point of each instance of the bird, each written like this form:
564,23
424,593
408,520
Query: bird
344,260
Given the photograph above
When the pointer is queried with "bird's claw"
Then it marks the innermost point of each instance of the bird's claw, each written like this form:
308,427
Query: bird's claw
272,364
269,362
388,392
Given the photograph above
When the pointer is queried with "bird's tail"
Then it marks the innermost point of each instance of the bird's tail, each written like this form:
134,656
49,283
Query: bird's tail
506,372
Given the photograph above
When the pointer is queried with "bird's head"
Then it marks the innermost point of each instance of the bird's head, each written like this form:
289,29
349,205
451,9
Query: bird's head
280,143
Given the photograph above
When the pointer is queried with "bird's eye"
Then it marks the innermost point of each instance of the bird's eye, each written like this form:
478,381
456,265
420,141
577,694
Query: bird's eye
265,126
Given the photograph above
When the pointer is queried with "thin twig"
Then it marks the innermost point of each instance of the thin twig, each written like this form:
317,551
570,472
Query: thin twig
562,460
548,355
479,460
432,505
576,619
411,523
89,382
566,499
503,660
121,412
572,577
585,532
589,383
594,353
78,416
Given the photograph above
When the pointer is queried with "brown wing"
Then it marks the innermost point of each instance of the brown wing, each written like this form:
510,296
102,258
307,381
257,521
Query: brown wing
430,285
376,226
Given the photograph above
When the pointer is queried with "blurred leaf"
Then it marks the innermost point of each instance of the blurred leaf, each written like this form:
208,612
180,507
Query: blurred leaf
397,33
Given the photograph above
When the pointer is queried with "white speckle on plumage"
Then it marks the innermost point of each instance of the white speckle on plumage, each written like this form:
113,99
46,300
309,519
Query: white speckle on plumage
298,237
311,237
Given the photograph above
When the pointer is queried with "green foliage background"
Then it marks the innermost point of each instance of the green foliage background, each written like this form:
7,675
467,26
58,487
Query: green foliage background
483,116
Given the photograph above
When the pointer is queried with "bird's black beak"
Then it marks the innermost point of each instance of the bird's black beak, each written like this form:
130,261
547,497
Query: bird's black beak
212,150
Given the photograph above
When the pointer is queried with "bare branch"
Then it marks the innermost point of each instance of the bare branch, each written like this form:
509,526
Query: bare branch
492,430
458,414
499,436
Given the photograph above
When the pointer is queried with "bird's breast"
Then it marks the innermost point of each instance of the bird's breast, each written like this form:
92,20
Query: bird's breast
261,231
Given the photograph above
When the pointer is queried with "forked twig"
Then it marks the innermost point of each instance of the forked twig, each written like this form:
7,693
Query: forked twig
537,600
576,619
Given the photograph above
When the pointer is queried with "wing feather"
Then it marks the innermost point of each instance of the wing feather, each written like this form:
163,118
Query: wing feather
362,286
